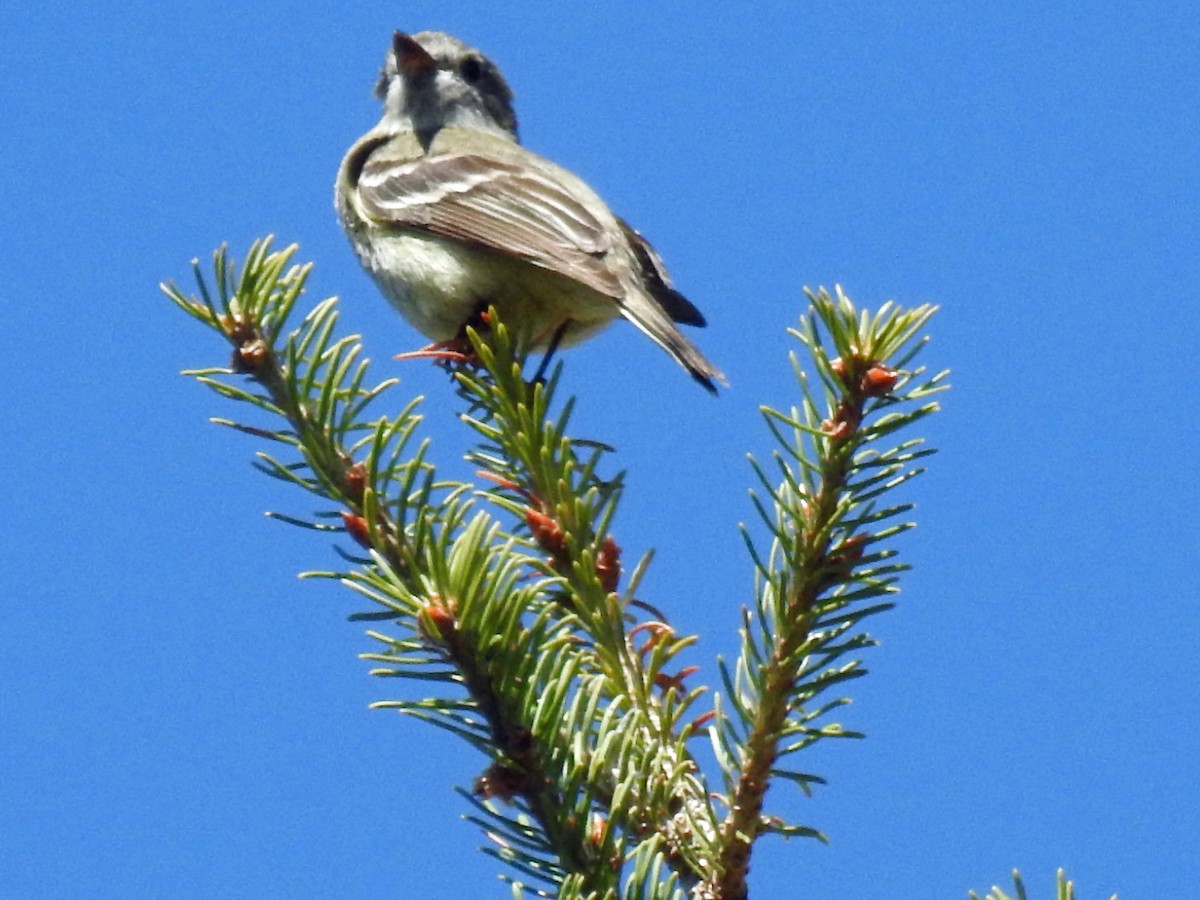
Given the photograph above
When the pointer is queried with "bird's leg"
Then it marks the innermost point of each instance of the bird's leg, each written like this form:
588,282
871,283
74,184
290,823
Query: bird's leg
555,340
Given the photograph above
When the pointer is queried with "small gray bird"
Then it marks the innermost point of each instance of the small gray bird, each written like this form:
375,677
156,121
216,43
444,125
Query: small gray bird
450,214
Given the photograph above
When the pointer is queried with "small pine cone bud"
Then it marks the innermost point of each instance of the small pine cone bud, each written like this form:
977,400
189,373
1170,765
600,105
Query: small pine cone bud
878,381
356,527
838,367
546,532
250,357
436,621
843,423
608,565
500,781
355,481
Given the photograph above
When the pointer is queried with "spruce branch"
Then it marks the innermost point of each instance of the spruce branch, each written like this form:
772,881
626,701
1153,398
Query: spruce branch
584,752
551,485
504,603
828,567
456,588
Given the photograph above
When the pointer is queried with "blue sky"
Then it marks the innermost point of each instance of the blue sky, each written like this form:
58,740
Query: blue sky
182,717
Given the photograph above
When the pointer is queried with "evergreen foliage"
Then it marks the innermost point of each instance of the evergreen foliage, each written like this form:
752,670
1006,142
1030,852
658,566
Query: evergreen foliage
505,607
1064,890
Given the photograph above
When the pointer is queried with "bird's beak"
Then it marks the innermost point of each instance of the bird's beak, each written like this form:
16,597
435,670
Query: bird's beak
411,57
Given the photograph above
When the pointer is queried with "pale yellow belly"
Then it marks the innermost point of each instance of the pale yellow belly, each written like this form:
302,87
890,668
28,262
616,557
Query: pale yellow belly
438,285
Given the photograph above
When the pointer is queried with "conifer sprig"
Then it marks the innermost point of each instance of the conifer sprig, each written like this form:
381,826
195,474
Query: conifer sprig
528,653
504,606
829,565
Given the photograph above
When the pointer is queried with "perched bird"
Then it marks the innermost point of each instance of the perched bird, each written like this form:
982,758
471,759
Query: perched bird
450,214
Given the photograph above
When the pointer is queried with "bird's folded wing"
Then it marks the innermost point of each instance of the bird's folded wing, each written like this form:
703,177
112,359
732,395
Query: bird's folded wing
657,282
493,203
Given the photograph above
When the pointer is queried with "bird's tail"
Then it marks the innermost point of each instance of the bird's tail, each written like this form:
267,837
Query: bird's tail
650,317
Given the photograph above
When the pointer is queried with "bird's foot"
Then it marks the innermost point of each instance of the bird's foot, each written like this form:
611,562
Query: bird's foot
457,349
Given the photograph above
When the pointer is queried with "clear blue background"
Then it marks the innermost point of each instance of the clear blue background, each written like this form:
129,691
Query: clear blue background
179,717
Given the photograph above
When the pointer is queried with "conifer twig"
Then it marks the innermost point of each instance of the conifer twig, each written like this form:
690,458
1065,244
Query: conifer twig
827,568
507,605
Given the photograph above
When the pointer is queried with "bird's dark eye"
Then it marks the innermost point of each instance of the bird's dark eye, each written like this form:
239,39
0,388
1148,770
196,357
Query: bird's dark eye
471,69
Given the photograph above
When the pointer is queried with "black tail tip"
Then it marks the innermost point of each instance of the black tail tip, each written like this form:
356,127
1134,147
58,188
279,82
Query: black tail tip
710,378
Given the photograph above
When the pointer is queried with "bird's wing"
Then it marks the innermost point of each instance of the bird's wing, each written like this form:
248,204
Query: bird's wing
657,282
493,203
